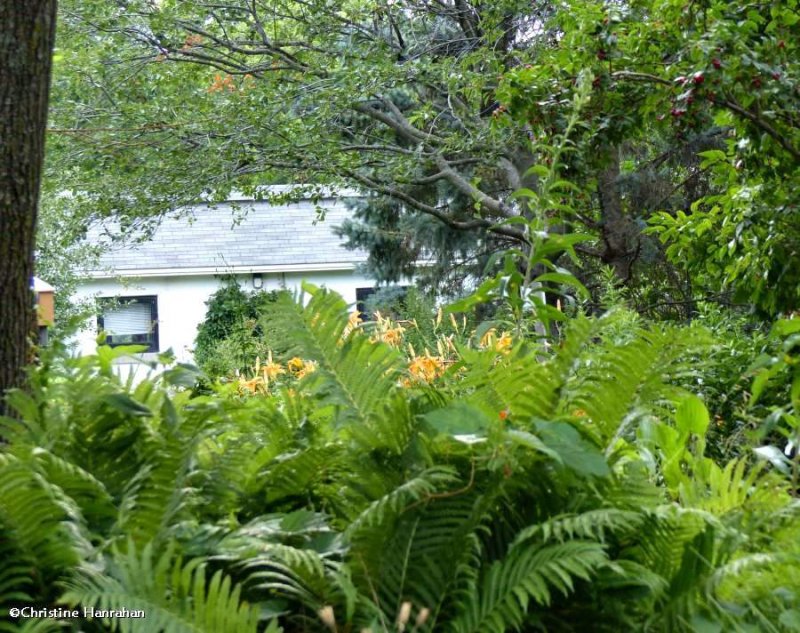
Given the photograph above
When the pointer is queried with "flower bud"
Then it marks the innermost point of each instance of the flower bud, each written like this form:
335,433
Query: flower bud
403,616
328,619
422,616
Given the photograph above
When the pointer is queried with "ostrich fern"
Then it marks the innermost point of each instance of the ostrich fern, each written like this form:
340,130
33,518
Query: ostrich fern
540,489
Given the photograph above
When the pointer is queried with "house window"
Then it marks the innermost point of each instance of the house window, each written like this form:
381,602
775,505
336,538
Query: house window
130,321
362,294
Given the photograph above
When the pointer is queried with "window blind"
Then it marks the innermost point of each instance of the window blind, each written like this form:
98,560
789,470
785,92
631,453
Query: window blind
134,318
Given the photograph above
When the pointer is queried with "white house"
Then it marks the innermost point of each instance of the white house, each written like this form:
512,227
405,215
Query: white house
155,291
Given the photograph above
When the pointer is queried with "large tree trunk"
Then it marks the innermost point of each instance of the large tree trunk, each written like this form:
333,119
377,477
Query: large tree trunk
27,35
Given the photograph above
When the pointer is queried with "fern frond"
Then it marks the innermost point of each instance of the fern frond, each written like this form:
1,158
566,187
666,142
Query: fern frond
158,492
525,575
670,531
31,625
297,472
424,555
618,379
176,597
233,455
17,584
622,573
302,575
520,383
593,524
413,490
355,376
726,489
43,523
633,488
752,578
295,555
91,495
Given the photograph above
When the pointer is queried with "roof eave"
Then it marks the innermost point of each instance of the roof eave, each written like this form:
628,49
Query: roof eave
195,271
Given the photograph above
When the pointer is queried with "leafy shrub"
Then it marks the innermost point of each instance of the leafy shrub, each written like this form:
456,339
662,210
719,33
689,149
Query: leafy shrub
556,488
228,338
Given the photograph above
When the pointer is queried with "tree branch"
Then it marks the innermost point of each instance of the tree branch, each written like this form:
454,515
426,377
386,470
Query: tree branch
764,126
402,126
434,211
469,189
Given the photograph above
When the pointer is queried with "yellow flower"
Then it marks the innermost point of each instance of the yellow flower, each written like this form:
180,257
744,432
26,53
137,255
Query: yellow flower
504,342
271,369
295,364
250,386
309,367
393,337
387,332
426,368
488,339
352,323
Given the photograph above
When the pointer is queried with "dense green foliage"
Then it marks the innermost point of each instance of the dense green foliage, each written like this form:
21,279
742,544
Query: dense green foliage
228,339
436,111
570,464
532,488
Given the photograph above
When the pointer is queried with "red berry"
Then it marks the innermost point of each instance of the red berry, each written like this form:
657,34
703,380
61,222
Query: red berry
716,63
698,78
781,44
757,82
601,54
776,75
677,112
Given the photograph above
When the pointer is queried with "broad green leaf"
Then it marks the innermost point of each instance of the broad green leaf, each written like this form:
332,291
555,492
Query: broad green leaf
692,416
127,405
576,453
458,418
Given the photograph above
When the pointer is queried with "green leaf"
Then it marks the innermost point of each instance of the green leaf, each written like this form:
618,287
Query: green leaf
537,170
524,193
577,453
531,441
692,416
790,619
459,419
566,279
786,327
127,405
182,375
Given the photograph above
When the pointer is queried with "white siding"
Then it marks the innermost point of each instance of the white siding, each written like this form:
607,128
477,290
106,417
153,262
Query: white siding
182,301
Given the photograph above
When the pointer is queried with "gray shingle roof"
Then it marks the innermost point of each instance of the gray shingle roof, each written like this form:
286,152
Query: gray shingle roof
268,237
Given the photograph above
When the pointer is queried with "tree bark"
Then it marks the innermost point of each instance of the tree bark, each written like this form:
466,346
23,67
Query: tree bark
620,236
27,36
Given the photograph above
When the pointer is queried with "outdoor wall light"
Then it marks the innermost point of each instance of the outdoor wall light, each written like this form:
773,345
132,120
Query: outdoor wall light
258,282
